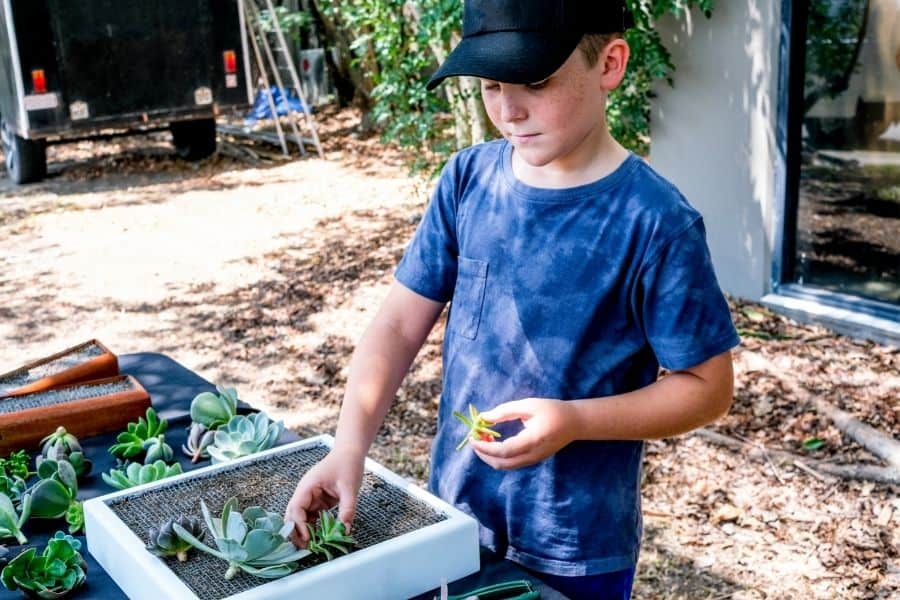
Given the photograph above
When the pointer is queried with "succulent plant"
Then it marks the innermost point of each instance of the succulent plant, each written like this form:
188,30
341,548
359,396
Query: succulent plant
328,535
165,542
14,487
12,520
62,445
479,428
53,496
255,541
198,441
55,572
16,464
131,442
212,410
80,464
244,435
157,449
138,474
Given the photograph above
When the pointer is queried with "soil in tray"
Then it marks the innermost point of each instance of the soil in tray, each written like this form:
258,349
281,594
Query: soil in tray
22,377
385,511
68,394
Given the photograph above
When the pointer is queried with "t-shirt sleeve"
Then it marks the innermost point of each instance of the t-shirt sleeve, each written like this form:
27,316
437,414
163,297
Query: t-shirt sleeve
429,264
684,313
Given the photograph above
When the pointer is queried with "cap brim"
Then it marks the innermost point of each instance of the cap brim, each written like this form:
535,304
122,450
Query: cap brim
508,56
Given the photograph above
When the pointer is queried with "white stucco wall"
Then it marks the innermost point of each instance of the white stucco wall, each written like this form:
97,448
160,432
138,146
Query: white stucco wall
713,134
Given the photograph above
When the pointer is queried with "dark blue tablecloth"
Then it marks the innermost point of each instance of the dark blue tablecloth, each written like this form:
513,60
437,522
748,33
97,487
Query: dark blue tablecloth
172,387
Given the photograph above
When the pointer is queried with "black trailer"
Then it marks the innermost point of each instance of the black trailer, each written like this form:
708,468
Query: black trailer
71,69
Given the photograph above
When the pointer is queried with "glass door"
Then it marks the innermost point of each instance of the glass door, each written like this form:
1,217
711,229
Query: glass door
846,155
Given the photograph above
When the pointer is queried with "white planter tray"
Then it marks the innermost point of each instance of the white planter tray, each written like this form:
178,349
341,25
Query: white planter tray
404,563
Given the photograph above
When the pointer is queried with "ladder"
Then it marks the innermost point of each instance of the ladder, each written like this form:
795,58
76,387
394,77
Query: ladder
267,63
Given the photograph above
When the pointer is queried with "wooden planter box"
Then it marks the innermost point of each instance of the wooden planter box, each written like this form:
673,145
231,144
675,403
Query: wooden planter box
84,362
84,409
407,539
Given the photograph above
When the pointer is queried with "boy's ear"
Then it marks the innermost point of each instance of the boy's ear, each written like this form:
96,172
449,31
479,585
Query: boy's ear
612,63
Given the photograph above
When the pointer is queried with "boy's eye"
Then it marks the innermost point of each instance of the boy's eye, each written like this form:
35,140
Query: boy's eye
538,84
490,85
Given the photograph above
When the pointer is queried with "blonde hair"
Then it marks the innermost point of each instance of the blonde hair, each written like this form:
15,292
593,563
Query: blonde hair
592,44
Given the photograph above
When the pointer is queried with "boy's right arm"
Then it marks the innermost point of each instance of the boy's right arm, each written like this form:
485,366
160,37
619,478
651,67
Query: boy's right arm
378,366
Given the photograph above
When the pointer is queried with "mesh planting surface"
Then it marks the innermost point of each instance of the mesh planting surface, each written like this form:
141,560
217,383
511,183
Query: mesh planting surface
50,397
20,377
385,511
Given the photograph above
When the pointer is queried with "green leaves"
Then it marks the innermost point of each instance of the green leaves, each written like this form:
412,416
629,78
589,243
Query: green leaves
55,572
813,443
16,464
131,442
328,535
255,541
136,474
479,428
213,410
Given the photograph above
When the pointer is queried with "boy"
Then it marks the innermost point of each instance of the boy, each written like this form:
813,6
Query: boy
574,271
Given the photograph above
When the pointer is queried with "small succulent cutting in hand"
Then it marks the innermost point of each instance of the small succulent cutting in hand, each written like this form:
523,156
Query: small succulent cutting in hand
479,428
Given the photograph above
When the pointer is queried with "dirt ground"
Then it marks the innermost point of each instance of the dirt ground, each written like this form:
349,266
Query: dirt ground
263,276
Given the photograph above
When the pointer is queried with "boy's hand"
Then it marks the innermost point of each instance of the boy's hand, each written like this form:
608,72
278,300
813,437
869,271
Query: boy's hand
335,480
548,426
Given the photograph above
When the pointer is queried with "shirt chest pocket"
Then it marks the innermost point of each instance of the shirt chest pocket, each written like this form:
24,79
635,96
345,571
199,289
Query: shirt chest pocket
468,297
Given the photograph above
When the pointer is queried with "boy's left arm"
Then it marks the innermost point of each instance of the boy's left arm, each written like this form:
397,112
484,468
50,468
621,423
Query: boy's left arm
679,402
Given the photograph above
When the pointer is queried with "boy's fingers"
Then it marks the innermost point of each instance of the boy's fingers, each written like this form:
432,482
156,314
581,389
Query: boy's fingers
347,506
508,411
510,447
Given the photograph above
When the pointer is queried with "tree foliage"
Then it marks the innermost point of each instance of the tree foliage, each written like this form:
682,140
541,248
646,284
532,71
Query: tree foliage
397,44
835,33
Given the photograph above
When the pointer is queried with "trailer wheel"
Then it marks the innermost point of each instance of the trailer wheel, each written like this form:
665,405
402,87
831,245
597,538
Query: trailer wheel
26,160
194,140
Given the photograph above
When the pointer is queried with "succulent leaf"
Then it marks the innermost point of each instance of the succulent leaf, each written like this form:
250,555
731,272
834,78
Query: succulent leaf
14,487
213,410
55,492
244,435
11,520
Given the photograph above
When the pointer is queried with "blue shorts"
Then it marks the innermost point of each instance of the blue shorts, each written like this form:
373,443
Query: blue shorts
606,586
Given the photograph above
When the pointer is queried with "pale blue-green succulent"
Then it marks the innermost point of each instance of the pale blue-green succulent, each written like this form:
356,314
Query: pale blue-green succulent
213,410
138,474
244,435
255,541
157,449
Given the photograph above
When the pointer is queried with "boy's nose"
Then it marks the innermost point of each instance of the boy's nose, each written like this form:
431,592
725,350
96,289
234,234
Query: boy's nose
511,109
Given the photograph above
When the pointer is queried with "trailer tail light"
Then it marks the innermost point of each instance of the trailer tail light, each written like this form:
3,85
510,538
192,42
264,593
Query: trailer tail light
39,81
230,61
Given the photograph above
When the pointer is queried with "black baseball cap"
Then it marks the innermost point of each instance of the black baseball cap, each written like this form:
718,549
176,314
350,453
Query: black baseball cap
525,41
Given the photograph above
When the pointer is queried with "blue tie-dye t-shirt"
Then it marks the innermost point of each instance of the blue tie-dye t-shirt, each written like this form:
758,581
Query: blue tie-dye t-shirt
559,293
